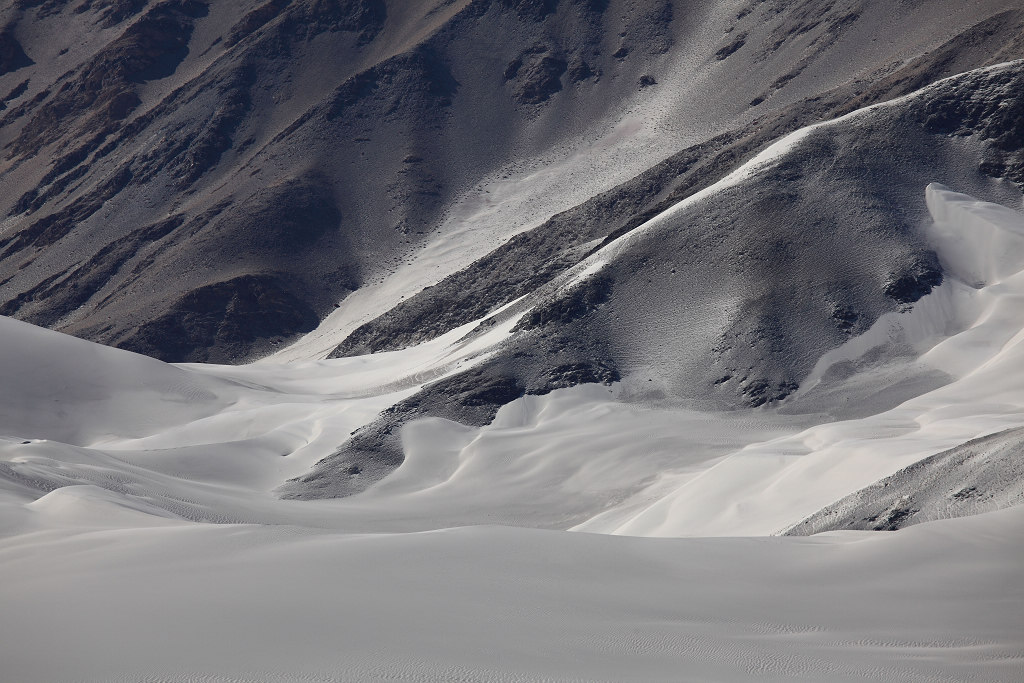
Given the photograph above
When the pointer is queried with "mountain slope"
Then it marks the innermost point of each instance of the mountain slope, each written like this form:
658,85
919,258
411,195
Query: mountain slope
729,297
203,180
692,278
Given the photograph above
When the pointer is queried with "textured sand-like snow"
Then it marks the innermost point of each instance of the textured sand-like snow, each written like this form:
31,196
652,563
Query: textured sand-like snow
457,566
183,603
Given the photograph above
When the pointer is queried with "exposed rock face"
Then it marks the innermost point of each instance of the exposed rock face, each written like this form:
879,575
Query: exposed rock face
104,90
535,75
12,56
218,322
577,302
556,245
914,280
112,12
293,21
190,110
782,295
990,107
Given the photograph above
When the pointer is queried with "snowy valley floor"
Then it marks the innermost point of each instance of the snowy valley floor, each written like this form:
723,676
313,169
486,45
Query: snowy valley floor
156,601
141,539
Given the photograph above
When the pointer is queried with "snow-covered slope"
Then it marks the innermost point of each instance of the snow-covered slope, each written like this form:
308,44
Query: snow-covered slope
69,390
201,441
967,330
111,529
180,603
981,475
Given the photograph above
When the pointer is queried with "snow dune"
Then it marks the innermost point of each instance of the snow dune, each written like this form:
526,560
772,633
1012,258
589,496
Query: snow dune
219,603
108,566
457,565
70,390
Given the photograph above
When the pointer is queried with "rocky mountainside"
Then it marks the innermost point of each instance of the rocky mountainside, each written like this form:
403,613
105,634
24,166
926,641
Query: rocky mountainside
201,180
207,181
511,340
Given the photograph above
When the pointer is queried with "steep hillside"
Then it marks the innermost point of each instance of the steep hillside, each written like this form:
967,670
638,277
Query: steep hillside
728,298
204,180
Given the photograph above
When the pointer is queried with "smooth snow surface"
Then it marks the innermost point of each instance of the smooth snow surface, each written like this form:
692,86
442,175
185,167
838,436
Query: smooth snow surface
140,538
220,603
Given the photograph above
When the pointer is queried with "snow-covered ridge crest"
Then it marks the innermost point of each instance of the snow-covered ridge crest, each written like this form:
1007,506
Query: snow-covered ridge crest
765,160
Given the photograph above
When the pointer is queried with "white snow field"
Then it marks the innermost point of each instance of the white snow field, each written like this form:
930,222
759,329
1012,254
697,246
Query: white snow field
141,539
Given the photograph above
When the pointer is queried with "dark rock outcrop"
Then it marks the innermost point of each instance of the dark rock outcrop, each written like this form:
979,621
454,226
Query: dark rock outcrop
224,320
103,92
576,302
535,75
990,107
916,280
111,12
12,55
